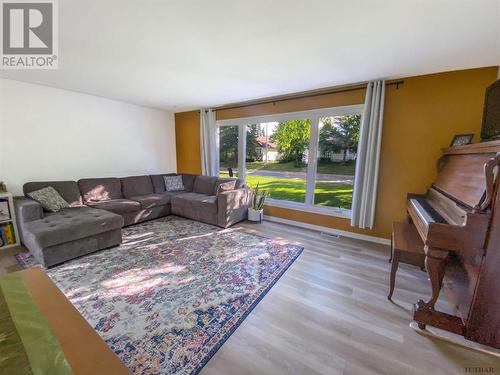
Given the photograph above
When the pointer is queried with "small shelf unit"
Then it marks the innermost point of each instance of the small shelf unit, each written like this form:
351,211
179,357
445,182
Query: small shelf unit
8,217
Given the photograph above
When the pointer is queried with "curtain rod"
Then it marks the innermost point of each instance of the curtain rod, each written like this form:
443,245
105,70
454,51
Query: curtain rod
303,96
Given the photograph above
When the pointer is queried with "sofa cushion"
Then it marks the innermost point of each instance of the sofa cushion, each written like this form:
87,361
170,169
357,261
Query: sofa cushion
204,185
196,206
194,201
70,224
118,206
136,186
49,198
171,194
67,189
208,203
152,200
100,189
158,182
221,186
188,181
173,183
239,183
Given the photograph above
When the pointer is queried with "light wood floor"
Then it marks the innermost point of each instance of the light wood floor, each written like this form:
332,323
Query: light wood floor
329,314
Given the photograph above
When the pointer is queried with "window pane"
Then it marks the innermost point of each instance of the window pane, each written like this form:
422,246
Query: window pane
277,158
228,151
337,148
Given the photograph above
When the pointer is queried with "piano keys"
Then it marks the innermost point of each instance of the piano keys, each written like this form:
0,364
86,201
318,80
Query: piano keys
454,220
424,210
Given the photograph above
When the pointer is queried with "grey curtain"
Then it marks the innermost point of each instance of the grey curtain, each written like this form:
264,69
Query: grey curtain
209,143
367,164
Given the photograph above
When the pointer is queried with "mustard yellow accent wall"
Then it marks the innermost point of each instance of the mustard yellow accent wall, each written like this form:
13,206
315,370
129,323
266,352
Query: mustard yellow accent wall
187,140
420,118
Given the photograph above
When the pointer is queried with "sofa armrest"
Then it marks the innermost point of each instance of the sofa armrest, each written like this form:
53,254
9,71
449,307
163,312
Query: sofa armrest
26,210
233,206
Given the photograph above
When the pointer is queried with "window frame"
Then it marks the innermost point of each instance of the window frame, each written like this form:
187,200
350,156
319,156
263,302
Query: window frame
312,161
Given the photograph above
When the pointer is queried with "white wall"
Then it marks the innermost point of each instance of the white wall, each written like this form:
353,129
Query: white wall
53,134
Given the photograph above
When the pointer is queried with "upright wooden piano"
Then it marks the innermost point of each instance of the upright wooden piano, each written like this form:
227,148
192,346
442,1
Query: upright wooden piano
458,221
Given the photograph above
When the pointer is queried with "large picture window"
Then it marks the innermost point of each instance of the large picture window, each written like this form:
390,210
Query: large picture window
305,160
228,150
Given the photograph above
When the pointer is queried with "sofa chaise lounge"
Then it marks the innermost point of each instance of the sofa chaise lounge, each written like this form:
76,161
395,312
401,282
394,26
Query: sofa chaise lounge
100,207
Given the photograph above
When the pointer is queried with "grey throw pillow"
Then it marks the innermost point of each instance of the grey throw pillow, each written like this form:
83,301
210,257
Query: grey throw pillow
173,183
226,186
49,198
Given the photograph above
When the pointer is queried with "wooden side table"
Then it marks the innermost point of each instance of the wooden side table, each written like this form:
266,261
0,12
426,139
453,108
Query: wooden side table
406,247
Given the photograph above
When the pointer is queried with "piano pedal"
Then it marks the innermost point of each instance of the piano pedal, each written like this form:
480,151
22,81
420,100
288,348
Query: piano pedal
424,315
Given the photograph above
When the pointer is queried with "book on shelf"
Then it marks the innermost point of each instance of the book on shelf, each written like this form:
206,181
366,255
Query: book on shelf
7,234
4,210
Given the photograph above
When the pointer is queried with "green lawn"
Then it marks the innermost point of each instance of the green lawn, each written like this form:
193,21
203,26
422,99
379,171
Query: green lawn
340,168
346,169
326,194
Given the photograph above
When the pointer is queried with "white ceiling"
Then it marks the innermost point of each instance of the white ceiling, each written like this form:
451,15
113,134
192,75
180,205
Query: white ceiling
180,55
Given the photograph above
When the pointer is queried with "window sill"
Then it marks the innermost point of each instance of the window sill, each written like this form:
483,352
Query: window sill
328,211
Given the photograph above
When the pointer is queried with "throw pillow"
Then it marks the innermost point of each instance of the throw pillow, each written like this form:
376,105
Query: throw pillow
226,186
173,183
49,198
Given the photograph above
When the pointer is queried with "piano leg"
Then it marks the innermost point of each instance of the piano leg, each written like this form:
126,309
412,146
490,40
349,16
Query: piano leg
435,261
435,269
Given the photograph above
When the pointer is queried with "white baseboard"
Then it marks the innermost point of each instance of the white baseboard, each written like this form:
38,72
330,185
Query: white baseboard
336,232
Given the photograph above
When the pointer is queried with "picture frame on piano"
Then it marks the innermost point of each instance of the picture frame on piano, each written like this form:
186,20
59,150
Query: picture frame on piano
462,139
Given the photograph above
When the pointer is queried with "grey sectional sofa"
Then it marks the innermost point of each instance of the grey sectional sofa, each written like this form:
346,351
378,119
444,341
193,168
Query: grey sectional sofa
100,207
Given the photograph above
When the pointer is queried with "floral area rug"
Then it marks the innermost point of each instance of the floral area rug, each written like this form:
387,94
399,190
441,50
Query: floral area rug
173,292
